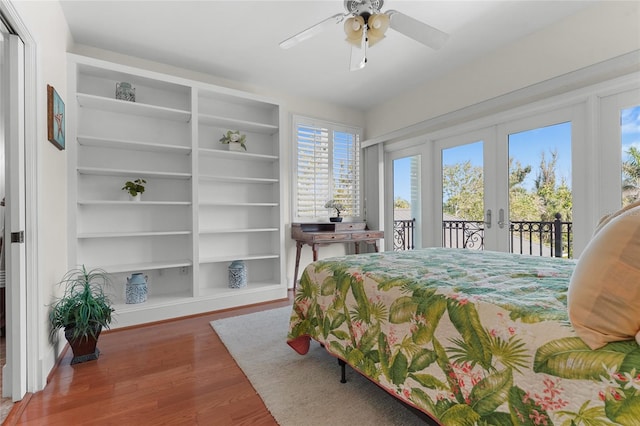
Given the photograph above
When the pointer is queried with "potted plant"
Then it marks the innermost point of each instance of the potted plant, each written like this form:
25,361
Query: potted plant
82,311
235,140
134,188
333,204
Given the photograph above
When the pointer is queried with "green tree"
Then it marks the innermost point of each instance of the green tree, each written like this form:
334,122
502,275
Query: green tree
517,173
401,203
523,204
463,191
631,176
554,198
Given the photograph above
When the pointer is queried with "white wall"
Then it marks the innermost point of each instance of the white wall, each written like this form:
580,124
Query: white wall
48,28
601,32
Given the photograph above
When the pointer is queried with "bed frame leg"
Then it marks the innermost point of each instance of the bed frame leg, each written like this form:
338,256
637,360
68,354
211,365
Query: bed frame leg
343,377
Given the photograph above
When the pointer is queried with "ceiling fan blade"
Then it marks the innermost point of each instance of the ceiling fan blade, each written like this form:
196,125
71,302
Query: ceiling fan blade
359,53
312,31
417,30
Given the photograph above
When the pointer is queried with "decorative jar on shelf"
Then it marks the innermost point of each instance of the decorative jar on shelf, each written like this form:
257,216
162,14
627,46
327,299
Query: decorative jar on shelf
236,146
136,288
237,274
125,92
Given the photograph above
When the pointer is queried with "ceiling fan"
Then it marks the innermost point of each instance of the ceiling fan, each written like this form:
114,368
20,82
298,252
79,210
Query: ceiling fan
365,25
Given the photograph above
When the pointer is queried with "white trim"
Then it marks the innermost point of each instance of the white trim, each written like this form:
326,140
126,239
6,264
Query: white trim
570,99
625,66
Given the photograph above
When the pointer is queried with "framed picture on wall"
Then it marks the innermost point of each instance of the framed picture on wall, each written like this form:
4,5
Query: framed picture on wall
55,118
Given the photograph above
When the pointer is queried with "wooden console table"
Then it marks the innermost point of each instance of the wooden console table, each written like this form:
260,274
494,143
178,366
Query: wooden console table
316,234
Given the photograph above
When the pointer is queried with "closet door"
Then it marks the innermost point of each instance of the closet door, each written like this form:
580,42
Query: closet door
14,372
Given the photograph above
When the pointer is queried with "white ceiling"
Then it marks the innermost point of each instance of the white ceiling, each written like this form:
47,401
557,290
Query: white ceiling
239,39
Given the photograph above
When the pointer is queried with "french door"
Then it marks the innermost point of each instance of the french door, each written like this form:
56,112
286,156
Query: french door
405,194
467,180
501,187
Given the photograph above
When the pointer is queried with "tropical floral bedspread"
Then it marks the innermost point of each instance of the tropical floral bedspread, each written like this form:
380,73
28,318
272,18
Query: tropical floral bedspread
468,337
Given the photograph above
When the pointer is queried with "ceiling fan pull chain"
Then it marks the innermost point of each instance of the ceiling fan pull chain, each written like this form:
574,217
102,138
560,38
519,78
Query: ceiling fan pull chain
365,45
359,52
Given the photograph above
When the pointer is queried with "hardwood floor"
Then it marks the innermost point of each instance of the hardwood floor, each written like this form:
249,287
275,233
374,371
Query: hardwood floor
176,372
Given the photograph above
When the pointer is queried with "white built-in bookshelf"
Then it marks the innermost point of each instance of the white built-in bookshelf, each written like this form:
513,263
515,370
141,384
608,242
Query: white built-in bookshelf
203,207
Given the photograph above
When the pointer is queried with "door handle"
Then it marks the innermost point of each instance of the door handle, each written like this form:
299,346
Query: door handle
487,219
501,218
17,237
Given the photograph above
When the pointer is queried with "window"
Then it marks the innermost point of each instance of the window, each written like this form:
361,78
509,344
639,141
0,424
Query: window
327,167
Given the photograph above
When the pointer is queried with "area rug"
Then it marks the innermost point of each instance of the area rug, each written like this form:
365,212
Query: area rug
304,390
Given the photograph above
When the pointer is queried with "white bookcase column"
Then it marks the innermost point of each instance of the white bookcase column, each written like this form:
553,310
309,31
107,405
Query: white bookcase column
203,206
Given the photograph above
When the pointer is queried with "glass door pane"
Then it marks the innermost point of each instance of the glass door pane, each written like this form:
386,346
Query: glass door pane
630,139
463,196
540,196
406,203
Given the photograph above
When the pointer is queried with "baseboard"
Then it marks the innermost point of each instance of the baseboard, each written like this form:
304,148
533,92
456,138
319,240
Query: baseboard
57,363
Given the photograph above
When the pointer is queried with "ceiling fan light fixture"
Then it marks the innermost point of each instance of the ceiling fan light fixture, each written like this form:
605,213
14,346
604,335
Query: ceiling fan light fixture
377,26
365,25
353,28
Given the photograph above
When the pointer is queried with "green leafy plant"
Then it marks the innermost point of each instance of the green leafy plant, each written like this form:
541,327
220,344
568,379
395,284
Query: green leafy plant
234,136
134,187
84,307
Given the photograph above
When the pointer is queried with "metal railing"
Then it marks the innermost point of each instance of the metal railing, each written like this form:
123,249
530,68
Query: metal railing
552,239
538,238
542,238
463,234
403,234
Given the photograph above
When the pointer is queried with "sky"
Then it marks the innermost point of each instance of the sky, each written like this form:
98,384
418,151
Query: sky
526,147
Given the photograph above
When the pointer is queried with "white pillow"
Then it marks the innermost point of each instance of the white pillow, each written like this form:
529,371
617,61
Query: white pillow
604,291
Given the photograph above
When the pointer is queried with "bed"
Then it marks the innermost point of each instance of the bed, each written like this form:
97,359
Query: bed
467,337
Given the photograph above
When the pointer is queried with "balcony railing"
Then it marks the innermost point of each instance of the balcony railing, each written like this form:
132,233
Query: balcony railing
403,234
537,238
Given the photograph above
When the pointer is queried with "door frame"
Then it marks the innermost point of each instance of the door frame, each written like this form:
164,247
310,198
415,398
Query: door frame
575,114
488,137
27,375
610,148
409,148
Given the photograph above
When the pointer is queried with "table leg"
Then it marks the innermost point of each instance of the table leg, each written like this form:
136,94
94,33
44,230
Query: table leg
314,247
295,274
357,247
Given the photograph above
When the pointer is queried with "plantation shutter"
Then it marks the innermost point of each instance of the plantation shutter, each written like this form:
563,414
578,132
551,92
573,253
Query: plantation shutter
313,170
327,167
346,171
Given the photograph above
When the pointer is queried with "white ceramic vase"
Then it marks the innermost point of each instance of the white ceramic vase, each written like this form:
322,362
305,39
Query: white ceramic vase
235,146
